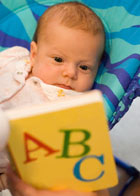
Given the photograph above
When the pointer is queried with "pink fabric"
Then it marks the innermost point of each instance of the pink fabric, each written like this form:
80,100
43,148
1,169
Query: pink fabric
15,89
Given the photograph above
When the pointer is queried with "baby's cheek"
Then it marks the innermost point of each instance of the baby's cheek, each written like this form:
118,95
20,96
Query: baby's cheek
89,83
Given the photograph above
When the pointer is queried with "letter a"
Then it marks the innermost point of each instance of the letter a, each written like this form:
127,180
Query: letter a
27,138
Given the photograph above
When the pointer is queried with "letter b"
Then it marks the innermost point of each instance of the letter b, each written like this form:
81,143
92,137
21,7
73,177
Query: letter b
68,143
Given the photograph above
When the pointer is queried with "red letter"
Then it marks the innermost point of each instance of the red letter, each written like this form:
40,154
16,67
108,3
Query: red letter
39,144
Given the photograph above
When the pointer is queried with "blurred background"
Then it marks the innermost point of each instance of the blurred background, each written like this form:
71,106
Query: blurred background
125,136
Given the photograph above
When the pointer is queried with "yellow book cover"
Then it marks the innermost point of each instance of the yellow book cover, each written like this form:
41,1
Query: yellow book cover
63,144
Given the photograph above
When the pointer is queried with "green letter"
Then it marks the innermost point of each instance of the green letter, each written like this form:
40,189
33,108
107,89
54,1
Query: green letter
67,143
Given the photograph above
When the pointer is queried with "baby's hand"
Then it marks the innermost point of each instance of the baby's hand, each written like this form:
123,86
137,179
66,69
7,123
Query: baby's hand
4,130
19,188
3,181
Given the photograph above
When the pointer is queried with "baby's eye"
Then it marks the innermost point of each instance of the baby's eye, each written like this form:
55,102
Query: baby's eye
58,59
84,67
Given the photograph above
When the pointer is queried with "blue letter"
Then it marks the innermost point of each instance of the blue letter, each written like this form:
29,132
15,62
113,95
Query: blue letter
76,170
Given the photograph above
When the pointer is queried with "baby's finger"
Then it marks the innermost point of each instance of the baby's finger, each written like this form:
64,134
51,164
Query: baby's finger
3,180
1,185
17,186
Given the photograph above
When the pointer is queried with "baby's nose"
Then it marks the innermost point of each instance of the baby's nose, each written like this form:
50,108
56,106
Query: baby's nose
70,70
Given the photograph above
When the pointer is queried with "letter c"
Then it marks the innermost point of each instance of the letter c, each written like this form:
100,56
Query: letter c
76,170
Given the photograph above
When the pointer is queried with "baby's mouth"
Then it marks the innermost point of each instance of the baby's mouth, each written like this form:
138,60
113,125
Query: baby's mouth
64,86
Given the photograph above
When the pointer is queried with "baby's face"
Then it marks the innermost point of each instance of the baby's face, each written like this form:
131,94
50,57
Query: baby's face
66,57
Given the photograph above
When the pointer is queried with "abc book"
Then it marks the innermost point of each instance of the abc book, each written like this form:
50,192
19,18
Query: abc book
63,144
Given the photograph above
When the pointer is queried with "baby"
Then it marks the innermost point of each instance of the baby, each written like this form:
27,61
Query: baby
63,60
66,52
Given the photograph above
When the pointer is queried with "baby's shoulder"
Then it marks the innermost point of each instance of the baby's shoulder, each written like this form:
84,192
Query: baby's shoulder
13,58
14,69
15,51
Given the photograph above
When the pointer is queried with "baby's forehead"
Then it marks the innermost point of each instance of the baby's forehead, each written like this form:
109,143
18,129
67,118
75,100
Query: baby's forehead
47,27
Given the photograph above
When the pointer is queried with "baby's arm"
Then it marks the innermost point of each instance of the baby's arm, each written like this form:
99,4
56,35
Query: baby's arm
19,188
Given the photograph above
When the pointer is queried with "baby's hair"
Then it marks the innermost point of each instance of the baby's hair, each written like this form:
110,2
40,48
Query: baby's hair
73,15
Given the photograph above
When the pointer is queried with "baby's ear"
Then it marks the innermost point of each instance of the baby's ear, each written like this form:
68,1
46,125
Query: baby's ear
33,52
